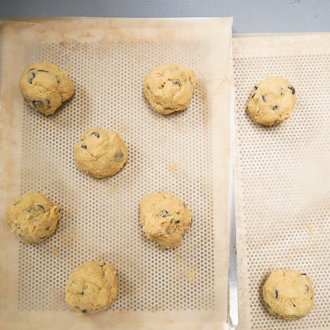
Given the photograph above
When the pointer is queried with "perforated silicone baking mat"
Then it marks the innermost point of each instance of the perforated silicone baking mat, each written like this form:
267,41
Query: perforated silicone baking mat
282,175
107,60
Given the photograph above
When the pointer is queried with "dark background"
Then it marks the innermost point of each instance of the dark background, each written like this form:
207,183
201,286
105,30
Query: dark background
255,16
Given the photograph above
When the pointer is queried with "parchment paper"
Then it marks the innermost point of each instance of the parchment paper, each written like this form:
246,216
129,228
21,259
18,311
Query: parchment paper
282,175
107,60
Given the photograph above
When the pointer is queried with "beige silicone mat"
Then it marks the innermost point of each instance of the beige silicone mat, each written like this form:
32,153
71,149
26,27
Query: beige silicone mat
283,176
107,60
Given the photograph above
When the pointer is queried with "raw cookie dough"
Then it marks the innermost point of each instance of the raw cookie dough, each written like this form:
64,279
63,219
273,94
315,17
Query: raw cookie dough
272,101
288,294
33,217
164,218
91,288
169,87
100,152
45,87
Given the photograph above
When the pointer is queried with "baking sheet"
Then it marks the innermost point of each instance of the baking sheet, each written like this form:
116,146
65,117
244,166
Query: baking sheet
107,60
282,175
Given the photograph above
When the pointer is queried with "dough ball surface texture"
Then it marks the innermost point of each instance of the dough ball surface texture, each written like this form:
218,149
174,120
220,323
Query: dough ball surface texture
169,87
33,217
44,86
288,294
164,218
100,152
91,288
272,101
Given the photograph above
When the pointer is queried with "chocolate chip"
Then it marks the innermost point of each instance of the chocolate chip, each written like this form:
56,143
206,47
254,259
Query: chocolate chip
292,89
255,87
48,102
102,264
21,236
37,104
307,288
41,207
84,146
17,203
165,214
118,156
42,71
268,306
176,82
43,237
31,69
264,98
311,297
29,210
31,77
276,293
294,305
253,95
26,99
58,79
275,107
177,221
303,274
47,228
18,227
96,134
84,310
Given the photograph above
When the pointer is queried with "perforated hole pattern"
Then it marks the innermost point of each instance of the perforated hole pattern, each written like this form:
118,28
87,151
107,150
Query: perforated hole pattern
284,187
103,214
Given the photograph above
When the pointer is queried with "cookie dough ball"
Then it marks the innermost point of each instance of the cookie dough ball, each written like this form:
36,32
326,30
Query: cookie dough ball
33,217
288,294
169,87
91,288
272,101
45,87
100,152
164,218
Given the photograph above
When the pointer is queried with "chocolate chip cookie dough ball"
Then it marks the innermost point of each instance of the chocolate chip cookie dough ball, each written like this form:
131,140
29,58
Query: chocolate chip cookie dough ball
91,288
100,152
45,87
272,101
164,218
169,87
33,217
288,294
